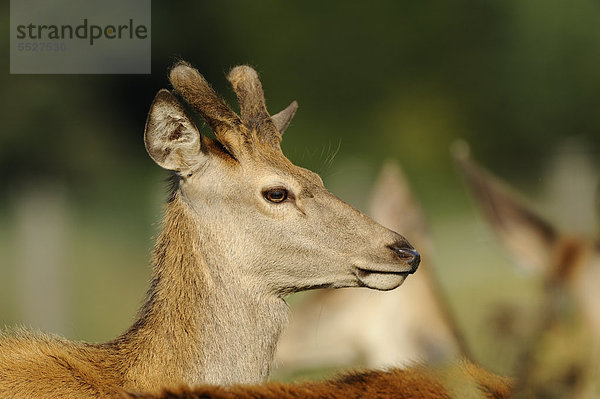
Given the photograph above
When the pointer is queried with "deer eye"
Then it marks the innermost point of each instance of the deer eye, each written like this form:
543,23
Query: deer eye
276,195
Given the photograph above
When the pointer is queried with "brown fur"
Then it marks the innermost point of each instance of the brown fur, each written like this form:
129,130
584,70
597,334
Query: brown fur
465,381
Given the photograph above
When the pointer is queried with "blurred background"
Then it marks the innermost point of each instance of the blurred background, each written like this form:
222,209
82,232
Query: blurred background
81,202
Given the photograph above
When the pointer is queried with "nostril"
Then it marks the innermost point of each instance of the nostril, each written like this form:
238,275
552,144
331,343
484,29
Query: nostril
416,260
409,255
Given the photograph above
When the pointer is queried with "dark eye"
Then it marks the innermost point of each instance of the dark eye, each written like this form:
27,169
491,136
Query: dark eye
276,195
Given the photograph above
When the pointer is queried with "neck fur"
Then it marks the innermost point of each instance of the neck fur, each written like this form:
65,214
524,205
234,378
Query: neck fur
199,324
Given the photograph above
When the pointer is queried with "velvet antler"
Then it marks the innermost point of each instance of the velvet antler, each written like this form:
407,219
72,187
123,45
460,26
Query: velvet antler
192,86
227,125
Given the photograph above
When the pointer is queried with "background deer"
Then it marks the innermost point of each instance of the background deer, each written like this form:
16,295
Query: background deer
332,328
243,228
560,357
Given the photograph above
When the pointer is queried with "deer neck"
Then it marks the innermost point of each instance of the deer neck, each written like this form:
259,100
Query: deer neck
200,323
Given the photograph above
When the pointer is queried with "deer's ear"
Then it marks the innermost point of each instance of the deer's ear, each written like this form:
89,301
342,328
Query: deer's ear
528,237
525,234
171,138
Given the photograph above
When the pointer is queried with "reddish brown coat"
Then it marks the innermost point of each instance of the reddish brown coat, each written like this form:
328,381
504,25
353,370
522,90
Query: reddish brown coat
413,383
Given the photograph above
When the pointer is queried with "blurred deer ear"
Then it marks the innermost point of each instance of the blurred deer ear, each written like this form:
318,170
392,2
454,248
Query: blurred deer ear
171,138
527,236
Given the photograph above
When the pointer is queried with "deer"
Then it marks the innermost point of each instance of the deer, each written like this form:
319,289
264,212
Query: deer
243,228
338,328
568,267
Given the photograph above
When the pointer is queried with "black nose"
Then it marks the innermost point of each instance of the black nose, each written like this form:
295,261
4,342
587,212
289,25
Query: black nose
408,254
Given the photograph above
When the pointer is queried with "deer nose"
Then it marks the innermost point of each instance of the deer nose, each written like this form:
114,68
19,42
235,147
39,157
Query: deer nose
408,254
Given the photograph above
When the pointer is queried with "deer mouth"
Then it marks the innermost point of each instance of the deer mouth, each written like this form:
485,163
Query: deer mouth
382,280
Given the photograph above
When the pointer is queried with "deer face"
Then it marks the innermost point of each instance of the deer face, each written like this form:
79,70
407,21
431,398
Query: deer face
275,222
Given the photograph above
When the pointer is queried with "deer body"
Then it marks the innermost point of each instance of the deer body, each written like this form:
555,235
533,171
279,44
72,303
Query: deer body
243,228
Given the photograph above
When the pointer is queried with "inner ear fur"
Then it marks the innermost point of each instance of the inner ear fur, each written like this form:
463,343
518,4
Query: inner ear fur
172,139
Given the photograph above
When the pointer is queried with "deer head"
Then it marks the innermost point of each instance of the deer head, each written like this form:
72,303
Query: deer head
273,222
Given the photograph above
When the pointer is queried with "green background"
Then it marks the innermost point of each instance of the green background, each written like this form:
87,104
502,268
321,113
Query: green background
519,80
